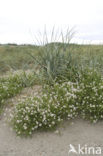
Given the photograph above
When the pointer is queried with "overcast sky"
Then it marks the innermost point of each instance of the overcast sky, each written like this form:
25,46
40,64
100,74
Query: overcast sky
20,20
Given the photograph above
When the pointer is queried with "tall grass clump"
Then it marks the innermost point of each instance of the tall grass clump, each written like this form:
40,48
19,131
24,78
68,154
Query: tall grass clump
55,61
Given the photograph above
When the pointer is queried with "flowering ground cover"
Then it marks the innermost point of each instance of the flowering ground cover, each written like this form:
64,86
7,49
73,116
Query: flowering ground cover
60,101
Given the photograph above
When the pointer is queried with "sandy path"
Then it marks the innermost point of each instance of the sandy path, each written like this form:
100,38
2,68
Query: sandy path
50,143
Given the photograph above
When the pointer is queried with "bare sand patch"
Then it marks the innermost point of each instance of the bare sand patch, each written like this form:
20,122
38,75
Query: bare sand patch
55,143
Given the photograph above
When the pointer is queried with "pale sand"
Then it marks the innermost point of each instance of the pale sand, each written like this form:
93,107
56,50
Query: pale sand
72,132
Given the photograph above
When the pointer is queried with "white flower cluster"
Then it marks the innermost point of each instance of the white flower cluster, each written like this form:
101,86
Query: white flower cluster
92,101
56,104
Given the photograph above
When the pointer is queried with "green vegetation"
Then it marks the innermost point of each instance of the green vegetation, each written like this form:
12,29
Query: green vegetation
71,77
13,83
19,57
65,100
16,57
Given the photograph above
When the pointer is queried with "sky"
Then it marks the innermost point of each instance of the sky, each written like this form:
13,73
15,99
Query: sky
21,20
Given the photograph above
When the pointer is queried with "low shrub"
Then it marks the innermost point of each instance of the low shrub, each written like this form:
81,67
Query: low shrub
92,95
9,87
13,83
